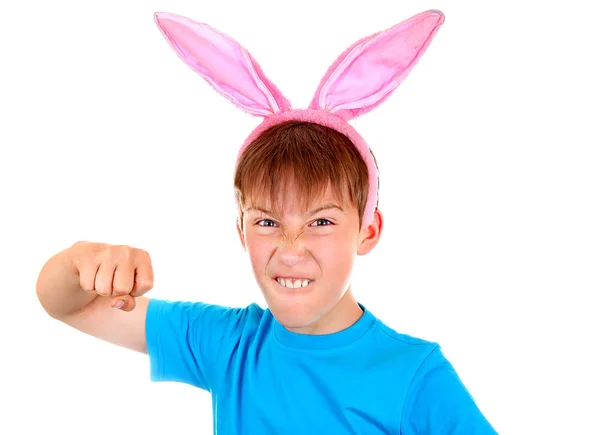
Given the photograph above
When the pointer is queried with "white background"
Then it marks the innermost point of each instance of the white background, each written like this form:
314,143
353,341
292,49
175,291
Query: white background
490,190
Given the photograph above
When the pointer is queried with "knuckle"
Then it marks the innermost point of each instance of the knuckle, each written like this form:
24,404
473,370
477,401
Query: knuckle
103,291
81,261
121,290
86,287
143,257
146,283
122,254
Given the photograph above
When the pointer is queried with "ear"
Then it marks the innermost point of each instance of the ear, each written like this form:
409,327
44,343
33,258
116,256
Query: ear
370,70
238,225
370,235
223,63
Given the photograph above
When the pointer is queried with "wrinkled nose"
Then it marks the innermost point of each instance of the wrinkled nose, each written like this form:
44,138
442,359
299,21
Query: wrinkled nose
291,250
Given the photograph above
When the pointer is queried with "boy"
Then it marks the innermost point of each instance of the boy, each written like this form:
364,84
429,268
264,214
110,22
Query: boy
316,361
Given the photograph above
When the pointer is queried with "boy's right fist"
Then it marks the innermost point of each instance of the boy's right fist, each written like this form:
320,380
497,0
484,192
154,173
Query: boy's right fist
119,272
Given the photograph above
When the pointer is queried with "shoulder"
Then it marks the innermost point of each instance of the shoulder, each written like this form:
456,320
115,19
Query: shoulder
398,358
404,340
201,316
432,397
192,308
411,349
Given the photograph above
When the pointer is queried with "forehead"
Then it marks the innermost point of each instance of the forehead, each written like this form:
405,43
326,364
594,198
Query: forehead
288,201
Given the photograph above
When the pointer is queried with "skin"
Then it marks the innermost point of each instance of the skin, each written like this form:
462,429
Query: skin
81,285
320,246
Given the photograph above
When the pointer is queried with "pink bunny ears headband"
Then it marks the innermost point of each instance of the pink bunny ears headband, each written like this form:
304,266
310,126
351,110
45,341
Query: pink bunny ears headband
360,79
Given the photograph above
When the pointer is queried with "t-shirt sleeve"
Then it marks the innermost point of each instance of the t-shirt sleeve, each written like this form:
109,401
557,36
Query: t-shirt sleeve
438,403
184,339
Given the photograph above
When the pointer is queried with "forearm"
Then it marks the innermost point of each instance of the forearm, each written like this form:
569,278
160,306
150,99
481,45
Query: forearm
58,288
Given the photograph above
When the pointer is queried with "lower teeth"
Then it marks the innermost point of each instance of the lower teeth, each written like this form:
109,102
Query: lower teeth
293,288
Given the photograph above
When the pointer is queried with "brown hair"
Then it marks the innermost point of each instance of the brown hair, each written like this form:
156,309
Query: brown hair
302,155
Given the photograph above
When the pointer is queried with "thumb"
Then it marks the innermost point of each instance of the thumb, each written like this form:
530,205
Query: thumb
124,302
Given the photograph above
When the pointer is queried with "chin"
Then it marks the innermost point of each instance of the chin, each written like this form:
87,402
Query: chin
296,308
294,314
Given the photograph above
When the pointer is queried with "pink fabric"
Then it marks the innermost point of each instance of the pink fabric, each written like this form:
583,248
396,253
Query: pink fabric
360,79
364,75
223,63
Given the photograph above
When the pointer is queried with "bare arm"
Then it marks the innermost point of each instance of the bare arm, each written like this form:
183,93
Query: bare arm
58,288
123,328
80,285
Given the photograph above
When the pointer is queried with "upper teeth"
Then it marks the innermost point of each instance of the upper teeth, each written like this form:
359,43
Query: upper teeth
293,282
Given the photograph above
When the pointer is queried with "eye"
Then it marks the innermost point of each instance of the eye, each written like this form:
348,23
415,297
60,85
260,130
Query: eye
269,223
327,222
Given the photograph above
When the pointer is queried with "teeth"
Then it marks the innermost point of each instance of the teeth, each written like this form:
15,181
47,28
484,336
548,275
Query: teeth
297,283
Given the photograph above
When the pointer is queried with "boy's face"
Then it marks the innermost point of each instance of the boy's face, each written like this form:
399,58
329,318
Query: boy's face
297,246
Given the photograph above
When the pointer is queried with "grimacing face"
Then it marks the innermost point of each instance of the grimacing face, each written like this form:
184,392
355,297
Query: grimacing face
319,246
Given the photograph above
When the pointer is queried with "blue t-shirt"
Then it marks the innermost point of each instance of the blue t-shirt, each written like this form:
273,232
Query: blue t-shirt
264,379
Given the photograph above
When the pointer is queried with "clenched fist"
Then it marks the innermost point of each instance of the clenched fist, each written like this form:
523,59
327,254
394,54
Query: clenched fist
119,272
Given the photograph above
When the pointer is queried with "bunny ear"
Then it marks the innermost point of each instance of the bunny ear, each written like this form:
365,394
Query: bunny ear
223,63
370,70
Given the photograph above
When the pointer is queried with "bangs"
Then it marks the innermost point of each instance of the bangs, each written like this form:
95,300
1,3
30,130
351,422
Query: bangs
303,159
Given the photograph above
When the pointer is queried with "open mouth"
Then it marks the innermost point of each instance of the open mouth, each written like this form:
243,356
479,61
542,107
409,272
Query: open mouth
293,283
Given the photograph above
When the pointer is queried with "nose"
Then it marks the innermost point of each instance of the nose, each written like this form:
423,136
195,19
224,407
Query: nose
291,251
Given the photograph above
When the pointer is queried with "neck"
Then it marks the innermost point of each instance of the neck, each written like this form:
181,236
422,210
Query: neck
344,314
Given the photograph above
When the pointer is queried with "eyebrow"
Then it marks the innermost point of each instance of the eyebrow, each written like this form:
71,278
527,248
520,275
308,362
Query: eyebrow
323,207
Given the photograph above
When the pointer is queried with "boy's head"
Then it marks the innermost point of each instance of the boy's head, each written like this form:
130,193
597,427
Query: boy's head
286,169
301,192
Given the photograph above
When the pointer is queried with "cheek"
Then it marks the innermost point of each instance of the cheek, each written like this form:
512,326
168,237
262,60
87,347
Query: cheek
336,254
259,251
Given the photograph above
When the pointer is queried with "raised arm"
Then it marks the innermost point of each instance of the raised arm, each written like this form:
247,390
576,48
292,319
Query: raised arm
97,288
